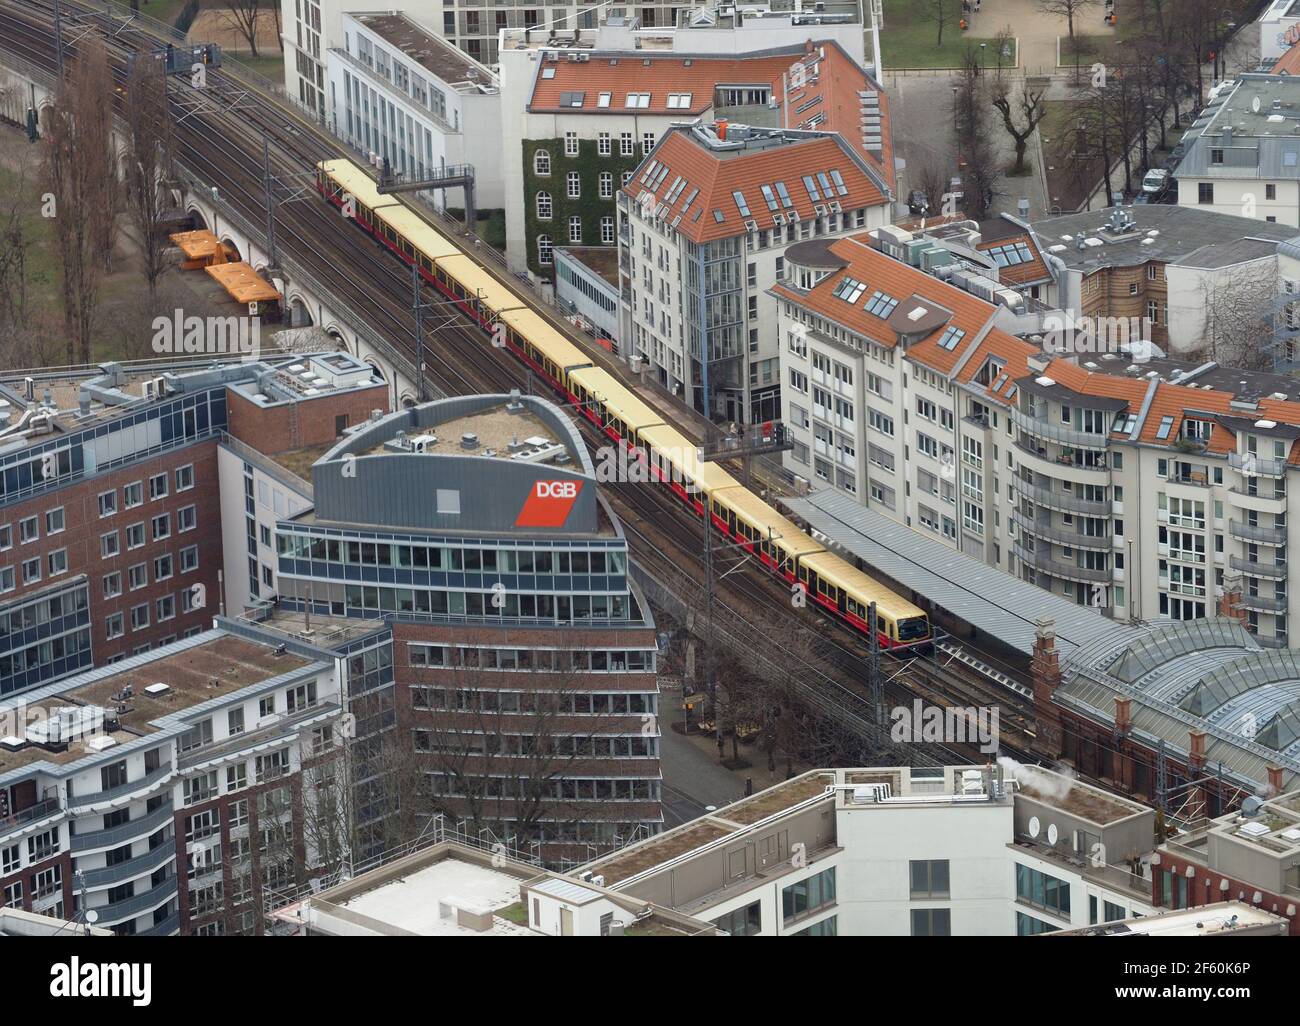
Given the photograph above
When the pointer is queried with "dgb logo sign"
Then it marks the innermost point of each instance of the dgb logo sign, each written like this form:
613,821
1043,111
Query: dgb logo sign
548,504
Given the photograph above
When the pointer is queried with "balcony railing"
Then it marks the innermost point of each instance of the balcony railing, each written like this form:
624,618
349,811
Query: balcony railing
130,787
123,871
166,928
129,908
1260,466
1066,571
48,807
1252,568
1264,603
1257,533
1071,539
114,836
1062,500
1061,435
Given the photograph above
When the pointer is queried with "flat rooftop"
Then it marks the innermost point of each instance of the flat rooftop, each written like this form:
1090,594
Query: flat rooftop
1073,797
410,904
601,260
194,674
1221,919
501,433
449,64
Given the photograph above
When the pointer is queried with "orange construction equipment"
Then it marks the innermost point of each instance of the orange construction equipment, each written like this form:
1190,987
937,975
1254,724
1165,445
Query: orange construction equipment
200,248
243,283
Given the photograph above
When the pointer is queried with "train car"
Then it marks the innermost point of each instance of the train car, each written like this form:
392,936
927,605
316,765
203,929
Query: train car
611,406
847,593
761,530
475,291
413,238
536,341
675,460
336,180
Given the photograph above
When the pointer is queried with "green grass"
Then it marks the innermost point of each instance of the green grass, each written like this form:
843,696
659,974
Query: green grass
515,913
44,291
268,66
909,37
161,10
490,225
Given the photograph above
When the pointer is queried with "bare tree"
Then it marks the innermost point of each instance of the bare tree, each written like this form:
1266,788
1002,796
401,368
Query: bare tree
939,12
243,16
1067,9
974,148
148,163
1020,117
79,176
1240,316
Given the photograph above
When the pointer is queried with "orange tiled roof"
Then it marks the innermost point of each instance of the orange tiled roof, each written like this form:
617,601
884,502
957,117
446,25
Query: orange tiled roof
815,87
1028,272
1288,63
717,175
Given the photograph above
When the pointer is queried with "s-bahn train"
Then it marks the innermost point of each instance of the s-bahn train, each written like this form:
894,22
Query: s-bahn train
640,432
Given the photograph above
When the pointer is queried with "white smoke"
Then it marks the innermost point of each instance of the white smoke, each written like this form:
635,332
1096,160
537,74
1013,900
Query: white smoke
1052,785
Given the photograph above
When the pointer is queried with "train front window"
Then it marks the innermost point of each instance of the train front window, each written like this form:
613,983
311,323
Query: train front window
913,628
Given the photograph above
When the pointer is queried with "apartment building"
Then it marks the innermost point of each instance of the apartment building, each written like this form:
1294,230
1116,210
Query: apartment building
1242,153
1186,278
1279,28
596,105
705,228
889,851
503,659
112,539
170,792
1144,487
408,96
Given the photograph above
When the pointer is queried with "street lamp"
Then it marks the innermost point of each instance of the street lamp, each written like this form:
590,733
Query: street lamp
954,108
983,56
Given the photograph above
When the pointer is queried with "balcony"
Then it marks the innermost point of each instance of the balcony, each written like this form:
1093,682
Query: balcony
130,787
110,876
169,926
42,809
1264,603
1251,568
1071,539
118,835
1260,502
1065,571
1251,465
1257,533
1061,435
1183,475
1060,465
1062,501
129,908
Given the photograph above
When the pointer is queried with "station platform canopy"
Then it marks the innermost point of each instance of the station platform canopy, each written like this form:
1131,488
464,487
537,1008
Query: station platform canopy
243,283
987,598
199,248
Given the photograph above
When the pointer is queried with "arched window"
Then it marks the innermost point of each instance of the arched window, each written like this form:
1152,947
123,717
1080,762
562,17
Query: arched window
541,162
543,206
543,249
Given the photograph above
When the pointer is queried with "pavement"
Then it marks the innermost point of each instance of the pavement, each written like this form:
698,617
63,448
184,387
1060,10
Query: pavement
1036,30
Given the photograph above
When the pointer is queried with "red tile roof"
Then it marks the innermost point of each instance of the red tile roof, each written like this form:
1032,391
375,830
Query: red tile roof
818,77
1288,63
717,174
1028,272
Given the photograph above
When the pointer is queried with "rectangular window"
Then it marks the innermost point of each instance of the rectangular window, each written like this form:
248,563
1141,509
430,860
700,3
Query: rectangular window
808,896
929,878
158,486
931,922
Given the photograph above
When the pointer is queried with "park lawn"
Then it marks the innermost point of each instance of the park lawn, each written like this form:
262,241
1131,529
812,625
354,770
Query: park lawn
490,225
908,39
269,66
162,10
44,288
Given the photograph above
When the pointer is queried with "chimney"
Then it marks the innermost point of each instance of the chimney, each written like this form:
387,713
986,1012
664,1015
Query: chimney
1022,208
1230,602
722,131
1275,779
1123,715
1196,753
1045,670
1227,135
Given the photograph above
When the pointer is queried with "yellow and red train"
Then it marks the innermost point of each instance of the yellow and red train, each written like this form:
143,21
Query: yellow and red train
672,459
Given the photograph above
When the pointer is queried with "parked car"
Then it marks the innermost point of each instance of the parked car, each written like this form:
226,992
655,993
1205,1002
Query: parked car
1155,182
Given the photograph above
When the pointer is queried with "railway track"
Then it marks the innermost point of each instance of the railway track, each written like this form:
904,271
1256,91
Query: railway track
664,539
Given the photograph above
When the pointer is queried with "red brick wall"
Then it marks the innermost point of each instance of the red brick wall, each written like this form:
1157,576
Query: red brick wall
83,527
1238,890
287,426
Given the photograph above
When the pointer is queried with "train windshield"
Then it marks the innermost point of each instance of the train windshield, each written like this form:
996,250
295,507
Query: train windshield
913,628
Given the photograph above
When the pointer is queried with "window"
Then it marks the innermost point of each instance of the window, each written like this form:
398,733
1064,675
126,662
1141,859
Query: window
607,231
28,530
237,779
543,206
931,922
606,185
135,536
743,922
235,721
162,526
541,162
108,545
185,477
140,616
162,568
42,846
113,626
808,896
165,608
1270,191
112,585
929,878
137,576
107,504
544,249
9,858
133,494
573,185
58,561
1028,926
575,229
158,486
54,521
647,140
1042,891
32,570
1205,192
189,558
570,144
626,144
186,518
603,146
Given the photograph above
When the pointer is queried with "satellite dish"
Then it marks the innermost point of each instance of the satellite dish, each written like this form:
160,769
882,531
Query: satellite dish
92,917
1251,806
1051,833
1034,826
1254,104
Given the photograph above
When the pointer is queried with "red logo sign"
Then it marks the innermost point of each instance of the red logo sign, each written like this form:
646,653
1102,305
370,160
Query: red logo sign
548,504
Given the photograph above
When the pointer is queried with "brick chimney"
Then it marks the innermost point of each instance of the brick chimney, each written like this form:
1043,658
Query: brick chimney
1230,601
1045,668
1123,715
1275,780
1196,752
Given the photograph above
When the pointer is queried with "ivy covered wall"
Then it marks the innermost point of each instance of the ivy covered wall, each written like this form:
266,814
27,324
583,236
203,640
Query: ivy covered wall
589,205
